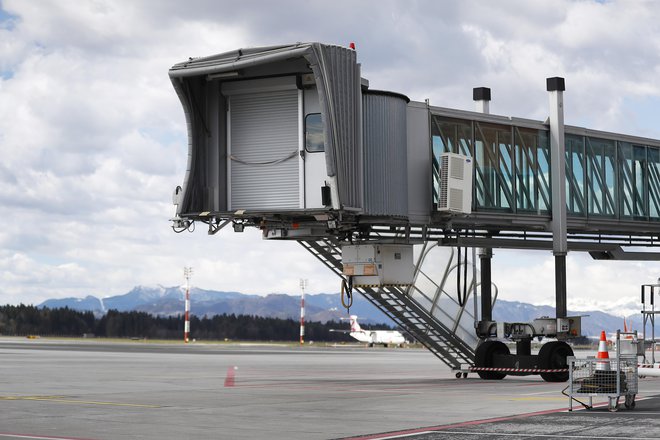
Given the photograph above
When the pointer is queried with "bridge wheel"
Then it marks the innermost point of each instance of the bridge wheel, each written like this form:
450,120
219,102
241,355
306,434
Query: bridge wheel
484,358
553,356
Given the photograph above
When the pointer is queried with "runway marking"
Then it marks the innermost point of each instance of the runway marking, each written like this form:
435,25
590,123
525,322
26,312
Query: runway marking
231,376
526,435
39,437
443,428
407,435
62,399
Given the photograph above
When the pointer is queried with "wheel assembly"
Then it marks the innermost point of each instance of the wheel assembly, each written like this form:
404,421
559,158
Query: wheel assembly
552,356
484,358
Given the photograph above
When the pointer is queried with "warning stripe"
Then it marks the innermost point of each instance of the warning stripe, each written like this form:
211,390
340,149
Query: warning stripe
520,370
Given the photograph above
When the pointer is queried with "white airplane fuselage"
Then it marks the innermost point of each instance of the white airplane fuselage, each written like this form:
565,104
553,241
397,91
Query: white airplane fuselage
372,337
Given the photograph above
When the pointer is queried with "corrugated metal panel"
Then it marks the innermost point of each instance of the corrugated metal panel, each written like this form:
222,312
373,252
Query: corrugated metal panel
337,76
385,154
264,151
420,182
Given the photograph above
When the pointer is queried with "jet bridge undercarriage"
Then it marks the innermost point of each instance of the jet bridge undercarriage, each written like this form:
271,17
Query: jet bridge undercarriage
453,323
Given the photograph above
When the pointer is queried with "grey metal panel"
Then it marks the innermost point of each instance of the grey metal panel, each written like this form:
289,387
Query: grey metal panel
420,182
195,190
337,76
264,151
237,60
216,194
183,97
385,155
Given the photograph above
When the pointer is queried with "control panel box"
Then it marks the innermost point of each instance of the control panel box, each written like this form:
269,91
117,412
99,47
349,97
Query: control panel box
378,264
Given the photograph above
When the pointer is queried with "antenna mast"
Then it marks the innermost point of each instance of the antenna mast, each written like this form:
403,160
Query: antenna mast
187,273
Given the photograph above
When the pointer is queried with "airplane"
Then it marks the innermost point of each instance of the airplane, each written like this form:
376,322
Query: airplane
373,337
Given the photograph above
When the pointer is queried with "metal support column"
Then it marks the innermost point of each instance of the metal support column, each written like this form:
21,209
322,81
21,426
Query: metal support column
481,98
556,87
485,256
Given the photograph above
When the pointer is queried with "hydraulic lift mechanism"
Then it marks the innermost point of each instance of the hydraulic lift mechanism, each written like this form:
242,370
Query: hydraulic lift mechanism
293,141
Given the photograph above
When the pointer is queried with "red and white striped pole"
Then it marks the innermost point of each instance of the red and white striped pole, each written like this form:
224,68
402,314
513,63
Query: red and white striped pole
187,272
303,284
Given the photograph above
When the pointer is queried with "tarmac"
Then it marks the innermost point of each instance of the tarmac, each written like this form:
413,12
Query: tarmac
92,390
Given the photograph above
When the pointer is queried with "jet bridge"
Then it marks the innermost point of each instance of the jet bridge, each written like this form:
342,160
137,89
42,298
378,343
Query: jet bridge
293,141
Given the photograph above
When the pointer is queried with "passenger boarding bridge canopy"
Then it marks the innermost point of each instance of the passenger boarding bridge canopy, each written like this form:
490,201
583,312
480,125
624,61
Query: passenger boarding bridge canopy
198,82
250,113
291,140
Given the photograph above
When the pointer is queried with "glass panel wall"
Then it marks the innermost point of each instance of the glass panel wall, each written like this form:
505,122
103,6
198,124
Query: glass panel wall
601,176
532,170
654,182
604,177
494,162
575,175
632,180
448,136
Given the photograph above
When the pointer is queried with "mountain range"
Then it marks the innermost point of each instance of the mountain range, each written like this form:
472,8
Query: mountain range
323,307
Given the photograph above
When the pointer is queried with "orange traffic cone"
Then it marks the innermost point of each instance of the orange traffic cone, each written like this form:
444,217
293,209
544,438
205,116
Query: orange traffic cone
603,362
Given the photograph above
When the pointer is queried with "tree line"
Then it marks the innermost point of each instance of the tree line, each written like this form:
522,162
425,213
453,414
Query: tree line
23,320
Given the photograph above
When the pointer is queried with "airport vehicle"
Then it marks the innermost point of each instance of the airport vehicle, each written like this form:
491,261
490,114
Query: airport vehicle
375,337
292,140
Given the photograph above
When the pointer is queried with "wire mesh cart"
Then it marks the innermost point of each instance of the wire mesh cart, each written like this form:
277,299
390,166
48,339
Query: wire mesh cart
611,378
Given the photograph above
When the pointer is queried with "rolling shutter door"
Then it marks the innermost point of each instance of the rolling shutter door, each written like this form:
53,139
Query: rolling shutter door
264,151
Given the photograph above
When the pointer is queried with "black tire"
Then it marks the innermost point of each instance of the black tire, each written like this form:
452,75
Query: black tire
552,356
483,358
630,401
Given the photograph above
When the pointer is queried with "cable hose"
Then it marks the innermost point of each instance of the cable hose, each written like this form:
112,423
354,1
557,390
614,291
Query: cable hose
347,289
571,397
458,278
269,162
465,272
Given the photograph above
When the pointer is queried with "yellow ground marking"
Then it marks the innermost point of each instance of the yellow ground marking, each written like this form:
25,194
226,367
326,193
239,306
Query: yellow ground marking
534,398
63,399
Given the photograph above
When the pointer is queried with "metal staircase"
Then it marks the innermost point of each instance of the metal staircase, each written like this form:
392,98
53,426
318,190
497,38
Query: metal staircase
425,310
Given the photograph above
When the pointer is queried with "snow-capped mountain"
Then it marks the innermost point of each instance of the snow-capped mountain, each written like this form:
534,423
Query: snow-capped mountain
169,301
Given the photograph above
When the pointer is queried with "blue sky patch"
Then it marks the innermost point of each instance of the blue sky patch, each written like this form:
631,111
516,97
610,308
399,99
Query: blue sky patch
7,20
641,116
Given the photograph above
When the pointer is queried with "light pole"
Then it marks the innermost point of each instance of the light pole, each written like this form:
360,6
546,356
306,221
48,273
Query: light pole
303,285
187,273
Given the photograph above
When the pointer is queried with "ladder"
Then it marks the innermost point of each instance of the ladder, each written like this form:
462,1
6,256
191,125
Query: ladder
417,309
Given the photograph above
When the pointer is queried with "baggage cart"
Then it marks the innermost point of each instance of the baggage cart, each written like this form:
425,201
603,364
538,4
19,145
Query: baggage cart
606,378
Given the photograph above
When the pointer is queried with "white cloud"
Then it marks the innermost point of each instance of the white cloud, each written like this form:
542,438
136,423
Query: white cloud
93,141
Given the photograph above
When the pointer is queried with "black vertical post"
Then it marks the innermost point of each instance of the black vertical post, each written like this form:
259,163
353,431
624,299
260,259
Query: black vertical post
485,256
560,285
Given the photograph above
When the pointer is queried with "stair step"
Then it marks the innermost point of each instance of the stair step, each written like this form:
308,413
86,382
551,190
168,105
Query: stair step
403,310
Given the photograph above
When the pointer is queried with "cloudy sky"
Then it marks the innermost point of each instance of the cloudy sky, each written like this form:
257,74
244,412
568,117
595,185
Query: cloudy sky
93,139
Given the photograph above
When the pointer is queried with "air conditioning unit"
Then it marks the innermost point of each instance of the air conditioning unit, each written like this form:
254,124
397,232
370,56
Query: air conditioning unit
455,193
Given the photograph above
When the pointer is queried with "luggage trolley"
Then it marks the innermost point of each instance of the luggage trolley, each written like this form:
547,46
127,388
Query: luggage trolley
611,378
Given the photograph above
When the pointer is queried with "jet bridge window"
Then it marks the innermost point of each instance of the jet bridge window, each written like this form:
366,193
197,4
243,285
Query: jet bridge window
314,141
